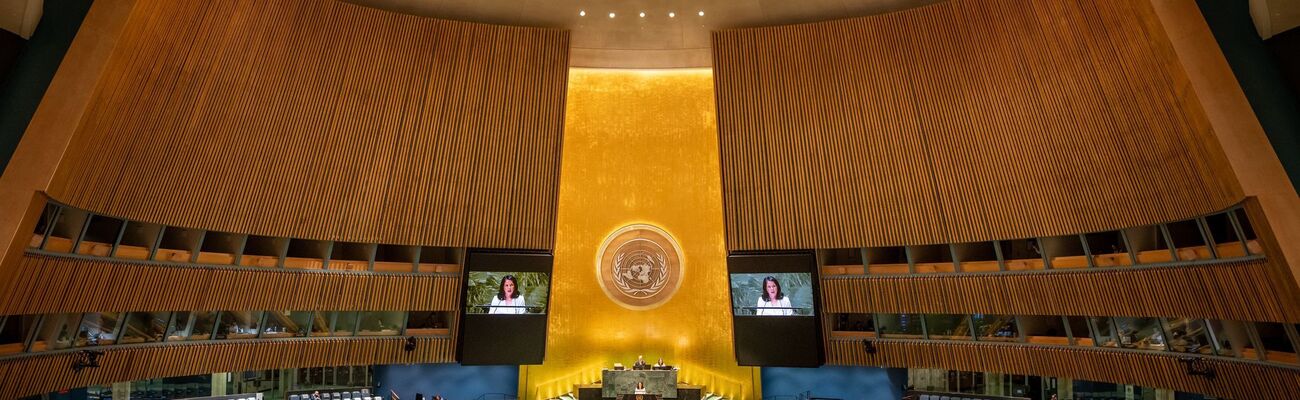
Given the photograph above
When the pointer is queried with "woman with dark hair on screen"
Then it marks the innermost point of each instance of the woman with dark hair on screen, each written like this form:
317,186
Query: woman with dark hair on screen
773,301
509,296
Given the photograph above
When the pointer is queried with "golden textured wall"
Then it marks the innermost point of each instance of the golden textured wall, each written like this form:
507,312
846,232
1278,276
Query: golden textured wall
639,147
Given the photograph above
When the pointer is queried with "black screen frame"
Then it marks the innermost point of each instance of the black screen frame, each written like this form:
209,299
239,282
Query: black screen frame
777,341
494,339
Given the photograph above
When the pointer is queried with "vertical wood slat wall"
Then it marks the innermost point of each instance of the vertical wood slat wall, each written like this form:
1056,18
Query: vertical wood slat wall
1236,379
321,119
1204,291
47,284
48,373
966,120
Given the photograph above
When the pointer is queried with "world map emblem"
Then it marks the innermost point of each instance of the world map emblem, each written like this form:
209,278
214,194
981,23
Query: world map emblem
639,266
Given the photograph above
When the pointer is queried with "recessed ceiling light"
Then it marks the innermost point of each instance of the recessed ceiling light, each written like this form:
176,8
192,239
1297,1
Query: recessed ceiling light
611,15
672,14
701,13
643,14
582,13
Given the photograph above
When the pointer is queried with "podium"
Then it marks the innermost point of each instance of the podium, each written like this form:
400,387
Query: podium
662,384
639,397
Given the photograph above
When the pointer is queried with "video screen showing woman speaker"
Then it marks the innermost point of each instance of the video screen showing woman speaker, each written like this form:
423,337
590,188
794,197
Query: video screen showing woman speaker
772,294
507,293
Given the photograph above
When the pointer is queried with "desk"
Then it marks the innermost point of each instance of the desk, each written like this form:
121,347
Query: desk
657,382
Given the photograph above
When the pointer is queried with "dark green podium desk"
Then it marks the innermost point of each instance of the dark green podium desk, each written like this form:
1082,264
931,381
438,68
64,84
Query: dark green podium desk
661,383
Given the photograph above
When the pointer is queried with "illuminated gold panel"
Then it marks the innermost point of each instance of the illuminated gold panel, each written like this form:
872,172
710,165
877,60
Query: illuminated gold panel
640,147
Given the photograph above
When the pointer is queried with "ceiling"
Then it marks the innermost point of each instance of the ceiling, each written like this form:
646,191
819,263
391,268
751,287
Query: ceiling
654,41
20,16
1274,16
629,40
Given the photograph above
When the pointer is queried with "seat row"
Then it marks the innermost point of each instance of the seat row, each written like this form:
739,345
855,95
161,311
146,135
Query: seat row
1223,236
363,394
64,229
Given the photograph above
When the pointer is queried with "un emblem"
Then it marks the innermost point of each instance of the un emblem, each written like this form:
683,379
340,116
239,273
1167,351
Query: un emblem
639,266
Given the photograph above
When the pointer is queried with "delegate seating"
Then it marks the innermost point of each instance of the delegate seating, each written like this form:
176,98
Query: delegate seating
1228,250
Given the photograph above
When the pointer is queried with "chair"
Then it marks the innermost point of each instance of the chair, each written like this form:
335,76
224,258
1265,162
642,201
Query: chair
357,395
293,397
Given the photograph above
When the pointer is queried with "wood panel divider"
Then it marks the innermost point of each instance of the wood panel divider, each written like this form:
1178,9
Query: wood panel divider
962,121
51,284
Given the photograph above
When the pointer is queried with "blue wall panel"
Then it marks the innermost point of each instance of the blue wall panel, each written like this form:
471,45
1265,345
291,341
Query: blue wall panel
452,381
849,383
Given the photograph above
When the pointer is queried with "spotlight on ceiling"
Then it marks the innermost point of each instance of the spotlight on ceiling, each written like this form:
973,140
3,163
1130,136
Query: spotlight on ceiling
611,15
582,13
643,14
701,13
672,14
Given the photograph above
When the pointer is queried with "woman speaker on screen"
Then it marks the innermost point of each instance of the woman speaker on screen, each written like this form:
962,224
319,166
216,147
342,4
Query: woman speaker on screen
508,300
773,301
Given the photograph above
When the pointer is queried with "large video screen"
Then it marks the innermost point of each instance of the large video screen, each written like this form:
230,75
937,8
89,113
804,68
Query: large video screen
507,292
774,299
503,319
786,294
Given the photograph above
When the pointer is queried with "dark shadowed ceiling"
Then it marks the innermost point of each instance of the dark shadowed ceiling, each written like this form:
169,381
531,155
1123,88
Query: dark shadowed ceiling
629,40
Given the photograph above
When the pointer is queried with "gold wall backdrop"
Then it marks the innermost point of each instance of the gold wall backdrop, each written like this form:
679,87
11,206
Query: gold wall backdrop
639,147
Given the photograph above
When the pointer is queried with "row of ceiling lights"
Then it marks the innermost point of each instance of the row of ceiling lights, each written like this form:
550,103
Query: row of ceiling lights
583,13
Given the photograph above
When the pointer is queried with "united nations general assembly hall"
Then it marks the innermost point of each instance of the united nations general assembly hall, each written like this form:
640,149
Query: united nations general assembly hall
649,199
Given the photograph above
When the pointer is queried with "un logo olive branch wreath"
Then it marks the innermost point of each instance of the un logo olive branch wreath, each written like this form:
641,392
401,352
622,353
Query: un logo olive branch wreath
622,273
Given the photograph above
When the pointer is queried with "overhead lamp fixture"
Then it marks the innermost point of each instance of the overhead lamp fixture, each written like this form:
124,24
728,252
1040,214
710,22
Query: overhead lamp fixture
643,14
611,15
582,13
701,13
671,14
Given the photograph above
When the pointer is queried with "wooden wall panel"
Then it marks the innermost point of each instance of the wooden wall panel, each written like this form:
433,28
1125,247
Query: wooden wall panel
40,374
1235,291
48,284
325,120
966,120
1236,379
